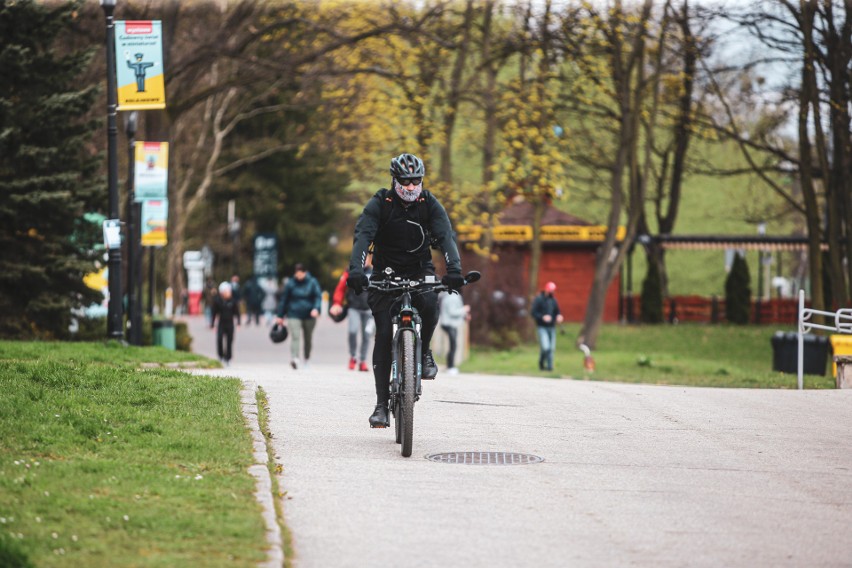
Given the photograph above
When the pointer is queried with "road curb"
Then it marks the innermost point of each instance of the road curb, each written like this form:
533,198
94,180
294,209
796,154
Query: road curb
262,480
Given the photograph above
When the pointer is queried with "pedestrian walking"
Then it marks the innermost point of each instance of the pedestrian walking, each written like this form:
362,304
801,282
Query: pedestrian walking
253,296
301,301
236,289
226,309
452,314
545,312
360,317
209,296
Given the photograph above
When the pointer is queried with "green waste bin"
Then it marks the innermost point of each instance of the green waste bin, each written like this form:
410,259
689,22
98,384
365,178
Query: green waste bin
164,333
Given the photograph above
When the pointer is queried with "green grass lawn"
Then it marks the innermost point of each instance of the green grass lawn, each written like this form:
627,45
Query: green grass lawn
106,464
110,352
686,354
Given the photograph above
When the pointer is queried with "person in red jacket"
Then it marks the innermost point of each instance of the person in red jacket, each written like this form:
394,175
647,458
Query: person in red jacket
360,318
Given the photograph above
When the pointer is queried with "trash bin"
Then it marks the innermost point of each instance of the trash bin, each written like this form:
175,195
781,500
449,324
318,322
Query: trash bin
785,353
840,345
163,332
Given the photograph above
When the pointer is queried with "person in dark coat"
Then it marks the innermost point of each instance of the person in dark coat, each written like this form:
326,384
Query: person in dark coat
253,295
226,309
301,301
545,312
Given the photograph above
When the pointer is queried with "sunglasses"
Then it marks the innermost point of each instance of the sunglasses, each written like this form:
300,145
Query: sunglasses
409,181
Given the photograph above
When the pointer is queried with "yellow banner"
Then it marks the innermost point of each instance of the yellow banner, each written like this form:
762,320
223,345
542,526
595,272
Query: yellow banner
155,215
151,172
139,64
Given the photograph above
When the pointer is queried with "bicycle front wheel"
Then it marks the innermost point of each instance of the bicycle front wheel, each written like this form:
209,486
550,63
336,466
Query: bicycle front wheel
408,386
397,419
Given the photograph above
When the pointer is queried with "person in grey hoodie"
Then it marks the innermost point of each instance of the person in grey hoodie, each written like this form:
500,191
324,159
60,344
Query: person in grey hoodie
453,313
300,303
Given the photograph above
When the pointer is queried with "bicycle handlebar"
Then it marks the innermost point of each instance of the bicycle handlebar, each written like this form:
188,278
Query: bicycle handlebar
398,284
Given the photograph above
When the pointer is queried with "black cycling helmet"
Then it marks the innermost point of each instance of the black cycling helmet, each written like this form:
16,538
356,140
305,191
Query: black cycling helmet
407,166
278,333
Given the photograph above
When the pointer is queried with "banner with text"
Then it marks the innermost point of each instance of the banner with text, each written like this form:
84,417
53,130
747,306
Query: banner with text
155,216
139,64
151,174
266,255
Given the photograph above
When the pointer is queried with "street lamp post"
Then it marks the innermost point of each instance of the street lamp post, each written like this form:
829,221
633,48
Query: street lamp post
134,311
114,312
234,231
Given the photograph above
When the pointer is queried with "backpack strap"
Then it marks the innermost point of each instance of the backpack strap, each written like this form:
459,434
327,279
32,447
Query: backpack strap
386,197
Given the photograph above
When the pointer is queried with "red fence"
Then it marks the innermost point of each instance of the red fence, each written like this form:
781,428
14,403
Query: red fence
702,309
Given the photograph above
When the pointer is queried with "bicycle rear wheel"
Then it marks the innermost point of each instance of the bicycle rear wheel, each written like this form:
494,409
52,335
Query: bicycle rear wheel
408,387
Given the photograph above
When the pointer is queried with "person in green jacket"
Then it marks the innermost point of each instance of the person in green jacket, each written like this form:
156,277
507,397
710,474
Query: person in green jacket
300,303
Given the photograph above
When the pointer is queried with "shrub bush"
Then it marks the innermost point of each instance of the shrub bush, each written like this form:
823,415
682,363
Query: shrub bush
738,292
651,310
94,329
183,340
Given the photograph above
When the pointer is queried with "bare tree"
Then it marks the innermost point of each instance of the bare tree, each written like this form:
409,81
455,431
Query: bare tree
624,37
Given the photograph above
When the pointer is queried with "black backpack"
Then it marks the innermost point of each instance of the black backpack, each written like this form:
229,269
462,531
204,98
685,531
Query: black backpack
423,217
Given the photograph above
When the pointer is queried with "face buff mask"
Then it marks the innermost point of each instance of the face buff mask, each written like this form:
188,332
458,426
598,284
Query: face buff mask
406,194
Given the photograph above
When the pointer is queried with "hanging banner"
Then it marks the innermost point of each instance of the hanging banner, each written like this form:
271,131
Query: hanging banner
139,64
266,255
152,170
155,216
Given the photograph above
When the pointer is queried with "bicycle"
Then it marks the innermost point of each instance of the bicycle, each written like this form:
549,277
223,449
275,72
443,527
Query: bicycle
406,348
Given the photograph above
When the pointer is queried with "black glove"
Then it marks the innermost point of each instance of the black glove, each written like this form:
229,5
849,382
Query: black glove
453,280
358,281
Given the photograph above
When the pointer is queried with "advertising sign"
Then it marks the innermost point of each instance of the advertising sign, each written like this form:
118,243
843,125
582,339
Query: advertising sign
151,174
112,233
266,255
155,216
139,64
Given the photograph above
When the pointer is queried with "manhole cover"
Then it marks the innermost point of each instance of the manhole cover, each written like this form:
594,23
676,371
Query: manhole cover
485,458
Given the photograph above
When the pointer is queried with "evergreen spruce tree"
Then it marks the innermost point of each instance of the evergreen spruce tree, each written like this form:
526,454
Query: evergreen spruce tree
47,174
652,296
738,292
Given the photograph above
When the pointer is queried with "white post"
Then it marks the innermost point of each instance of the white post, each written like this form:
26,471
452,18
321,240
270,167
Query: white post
801,339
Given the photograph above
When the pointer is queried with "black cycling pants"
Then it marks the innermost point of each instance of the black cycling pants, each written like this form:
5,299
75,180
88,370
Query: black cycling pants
380,304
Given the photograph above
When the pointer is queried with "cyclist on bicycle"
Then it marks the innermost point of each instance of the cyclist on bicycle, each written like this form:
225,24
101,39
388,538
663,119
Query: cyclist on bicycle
401,224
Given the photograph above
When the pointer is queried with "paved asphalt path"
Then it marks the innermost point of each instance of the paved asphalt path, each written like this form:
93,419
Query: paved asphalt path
633,474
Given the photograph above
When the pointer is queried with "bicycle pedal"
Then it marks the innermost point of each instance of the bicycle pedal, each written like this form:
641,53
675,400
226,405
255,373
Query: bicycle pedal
379,425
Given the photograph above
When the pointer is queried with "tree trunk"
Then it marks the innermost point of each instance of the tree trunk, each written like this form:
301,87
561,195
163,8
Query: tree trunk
454,96
535,249
812,217
682,135
628,97
837,55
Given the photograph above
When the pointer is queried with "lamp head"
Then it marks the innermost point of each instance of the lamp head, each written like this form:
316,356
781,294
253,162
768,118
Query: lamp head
130,120
107,3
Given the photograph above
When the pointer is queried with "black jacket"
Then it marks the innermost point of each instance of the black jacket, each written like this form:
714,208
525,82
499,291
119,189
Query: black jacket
545,304
227,311
401,242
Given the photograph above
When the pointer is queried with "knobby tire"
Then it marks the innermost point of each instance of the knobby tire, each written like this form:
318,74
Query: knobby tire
408,387
397,419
